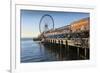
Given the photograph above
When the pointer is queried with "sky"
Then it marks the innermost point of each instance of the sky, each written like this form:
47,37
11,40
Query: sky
30,20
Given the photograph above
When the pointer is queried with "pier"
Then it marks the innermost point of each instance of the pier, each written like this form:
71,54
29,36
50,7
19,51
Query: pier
75,34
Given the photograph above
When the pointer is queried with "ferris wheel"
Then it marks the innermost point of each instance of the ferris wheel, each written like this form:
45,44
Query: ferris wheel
46,23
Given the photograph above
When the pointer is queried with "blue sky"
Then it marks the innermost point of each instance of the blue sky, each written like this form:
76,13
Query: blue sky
30,20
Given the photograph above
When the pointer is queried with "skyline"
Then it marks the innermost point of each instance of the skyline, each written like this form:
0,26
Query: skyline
30,20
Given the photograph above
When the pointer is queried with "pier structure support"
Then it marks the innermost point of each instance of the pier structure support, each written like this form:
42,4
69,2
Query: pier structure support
55,42
52,41
78,51
61,43
82,50
85,52
66,44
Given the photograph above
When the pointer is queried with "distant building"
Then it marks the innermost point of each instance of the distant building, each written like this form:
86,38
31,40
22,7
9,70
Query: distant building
81,25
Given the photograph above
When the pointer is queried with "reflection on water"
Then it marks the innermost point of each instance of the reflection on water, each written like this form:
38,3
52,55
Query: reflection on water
35,51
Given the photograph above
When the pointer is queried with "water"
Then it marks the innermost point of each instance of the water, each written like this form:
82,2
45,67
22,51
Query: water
35,51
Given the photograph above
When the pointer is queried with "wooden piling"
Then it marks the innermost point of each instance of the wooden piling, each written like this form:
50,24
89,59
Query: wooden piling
66,45
78,51
85,53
